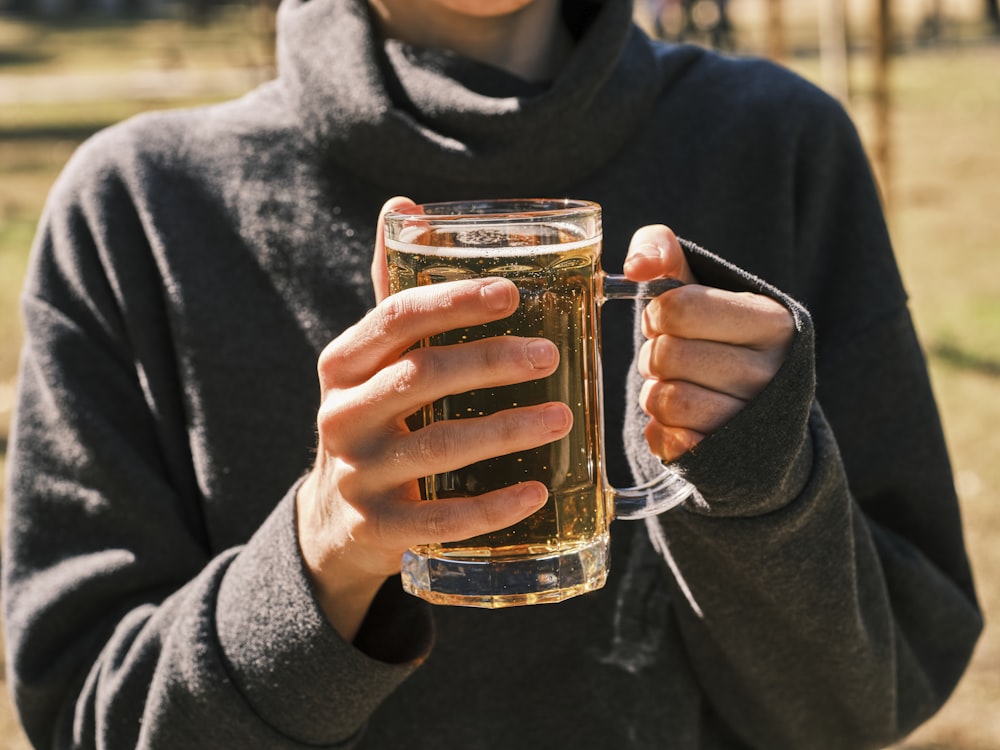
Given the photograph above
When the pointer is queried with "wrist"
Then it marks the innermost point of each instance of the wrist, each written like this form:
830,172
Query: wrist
343,591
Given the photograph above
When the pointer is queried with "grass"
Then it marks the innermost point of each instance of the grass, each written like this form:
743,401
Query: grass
943,189
946,224
234,37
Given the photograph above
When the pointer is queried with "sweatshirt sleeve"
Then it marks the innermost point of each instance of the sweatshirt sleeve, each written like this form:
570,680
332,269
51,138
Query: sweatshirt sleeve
833,602
124,627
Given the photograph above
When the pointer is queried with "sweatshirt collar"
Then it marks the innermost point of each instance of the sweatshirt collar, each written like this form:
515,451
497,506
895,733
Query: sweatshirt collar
432,124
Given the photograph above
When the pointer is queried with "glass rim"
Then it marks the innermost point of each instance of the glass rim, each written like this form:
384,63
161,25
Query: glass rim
495,210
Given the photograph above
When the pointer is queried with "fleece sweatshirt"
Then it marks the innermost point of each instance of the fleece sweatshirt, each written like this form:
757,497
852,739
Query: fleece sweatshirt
191,265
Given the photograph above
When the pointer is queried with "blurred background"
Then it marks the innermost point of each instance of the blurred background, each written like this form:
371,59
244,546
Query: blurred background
920,77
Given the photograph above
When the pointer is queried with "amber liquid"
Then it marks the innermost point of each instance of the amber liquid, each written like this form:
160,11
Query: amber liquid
556,284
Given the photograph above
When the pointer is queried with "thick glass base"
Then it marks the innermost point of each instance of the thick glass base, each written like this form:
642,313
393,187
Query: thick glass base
470,578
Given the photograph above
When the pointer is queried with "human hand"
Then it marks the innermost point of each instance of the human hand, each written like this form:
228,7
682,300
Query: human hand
707,351
360,509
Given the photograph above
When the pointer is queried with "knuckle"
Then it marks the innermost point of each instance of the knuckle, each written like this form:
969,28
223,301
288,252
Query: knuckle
329,416
665,355
669,443
486,516
326,359
388,522
494,354
777,324
382,527
350,482
785,325
334,364
330,358
671,311
675,402
682,300
762,370
644,358
393,309
646,396
685,397
392,318
434,521
667,396
510,426
427,446
405,374
655,435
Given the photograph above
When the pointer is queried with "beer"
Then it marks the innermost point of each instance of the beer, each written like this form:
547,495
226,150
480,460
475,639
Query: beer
556,283
551,250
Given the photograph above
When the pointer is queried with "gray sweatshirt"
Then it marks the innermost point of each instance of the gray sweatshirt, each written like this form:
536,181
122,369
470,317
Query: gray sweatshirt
191,265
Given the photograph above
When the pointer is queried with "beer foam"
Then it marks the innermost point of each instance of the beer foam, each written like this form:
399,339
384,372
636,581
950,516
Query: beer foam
506,251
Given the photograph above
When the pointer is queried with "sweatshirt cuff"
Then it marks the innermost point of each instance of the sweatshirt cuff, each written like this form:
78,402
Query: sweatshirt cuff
291,666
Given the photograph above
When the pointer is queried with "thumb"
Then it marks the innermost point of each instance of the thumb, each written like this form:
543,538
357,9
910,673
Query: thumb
380,271
654,253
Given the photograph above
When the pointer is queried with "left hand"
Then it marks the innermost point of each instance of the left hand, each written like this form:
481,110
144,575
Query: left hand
707,352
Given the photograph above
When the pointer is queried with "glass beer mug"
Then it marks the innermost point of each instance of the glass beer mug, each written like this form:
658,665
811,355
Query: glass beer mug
551,250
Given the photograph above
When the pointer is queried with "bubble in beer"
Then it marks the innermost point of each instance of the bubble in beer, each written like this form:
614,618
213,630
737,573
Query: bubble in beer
555,283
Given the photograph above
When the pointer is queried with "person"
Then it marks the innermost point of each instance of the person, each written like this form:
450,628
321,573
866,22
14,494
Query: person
202,544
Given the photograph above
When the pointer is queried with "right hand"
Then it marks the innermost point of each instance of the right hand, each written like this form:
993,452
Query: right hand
360,509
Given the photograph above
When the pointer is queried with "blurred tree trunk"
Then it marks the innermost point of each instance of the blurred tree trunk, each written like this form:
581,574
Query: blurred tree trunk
993,15
881,99
197,12
266,13
833,47
775,31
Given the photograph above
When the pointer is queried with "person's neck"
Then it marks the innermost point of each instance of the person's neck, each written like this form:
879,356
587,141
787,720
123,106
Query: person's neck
532,43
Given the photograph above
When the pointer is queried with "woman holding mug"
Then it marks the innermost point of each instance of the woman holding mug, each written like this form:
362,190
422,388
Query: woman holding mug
202,552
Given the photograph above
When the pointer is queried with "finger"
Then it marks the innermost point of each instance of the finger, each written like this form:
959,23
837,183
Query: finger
668,443
452,444
655,252
701,312
380,272
426,375
406,523
682,404
738,371
403,319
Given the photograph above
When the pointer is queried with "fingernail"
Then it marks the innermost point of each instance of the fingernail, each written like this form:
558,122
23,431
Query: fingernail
646,250
556,418
532,496
542,354
497,296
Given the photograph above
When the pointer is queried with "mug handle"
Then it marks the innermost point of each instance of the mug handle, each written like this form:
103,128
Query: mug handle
669,489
